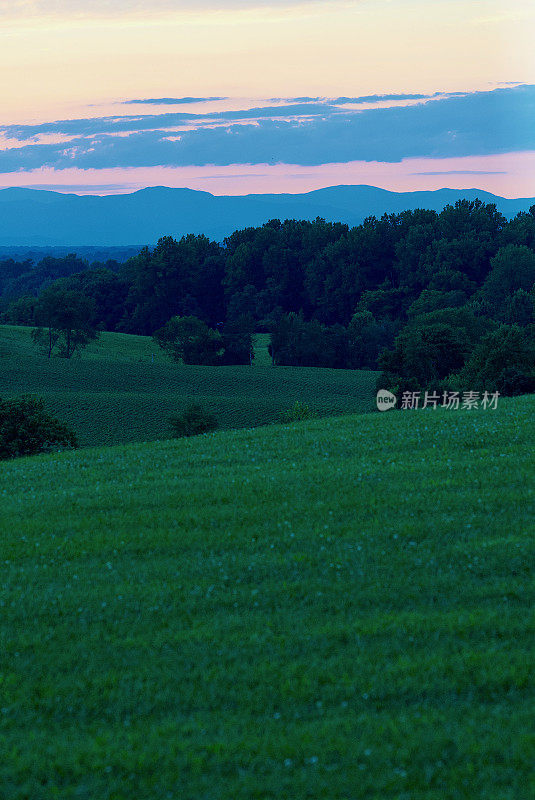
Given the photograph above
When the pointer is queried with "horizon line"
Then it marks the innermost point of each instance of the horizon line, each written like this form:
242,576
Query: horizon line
69,191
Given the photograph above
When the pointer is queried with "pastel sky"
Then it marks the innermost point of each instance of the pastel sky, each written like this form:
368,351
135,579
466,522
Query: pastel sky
239,96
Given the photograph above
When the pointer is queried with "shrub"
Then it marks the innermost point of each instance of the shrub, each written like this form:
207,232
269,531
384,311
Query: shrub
193,421
26,429
299,411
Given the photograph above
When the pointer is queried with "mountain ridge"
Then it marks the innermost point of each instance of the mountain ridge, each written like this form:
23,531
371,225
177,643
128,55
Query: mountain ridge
40,217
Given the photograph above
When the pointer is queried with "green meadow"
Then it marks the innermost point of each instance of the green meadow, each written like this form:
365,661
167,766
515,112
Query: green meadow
337,609
123,388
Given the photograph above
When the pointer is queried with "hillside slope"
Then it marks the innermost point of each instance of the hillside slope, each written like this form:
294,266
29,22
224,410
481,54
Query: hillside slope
339,609
124,388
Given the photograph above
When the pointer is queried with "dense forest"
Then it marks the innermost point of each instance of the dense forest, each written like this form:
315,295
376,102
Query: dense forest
425,297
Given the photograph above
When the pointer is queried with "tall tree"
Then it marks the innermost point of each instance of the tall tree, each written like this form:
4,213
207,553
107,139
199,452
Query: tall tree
65,320
513,268
190,340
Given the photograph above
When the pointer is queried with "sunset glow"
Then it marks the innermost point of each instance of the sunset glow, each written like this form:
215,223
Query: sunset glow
76,61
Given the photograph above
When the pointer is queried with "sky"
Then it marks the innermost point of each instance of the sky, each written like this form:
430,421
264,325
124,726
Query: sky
247,96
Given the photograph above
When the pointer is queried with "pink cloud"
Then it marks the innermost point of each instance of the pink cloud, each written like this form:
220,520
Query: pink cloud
508,175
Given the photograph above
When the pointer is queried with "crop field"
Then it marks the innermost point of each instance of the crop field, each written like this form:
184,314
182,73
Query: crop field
124,388
336,609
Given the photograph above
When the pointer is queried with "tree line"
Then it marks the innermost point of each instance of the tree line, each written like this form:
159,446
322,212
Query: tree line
419,295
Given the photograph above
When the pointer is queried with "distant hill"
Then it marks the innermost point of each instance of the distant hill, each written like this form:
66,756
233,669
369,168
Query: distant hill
91,253
35,218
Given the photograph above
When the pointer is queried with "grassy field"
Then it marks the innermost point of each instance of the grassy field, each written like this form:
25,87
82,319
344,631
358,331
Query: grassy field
124,388
338,609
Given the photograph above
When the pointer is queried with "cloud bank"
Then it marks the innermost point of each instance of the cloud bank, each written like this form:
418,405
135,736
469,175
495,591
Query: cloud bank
304,133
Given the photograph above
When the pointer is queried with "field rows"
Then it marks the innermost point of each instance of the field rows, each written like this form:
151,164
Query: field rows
124,389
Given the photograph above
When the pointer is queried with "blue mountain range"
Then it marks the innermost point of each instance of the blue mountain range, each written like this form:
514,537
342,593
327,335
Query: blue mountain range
31,217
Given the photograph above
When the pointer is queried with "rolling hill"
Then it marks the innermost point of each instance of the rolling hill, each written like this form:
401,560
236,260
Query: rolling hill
336,609
33,218
124,388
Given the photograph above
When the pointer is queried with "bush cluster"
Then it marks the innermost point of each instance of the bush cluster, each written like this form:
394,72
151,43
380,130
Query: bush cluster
299,411
193,421
26,429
